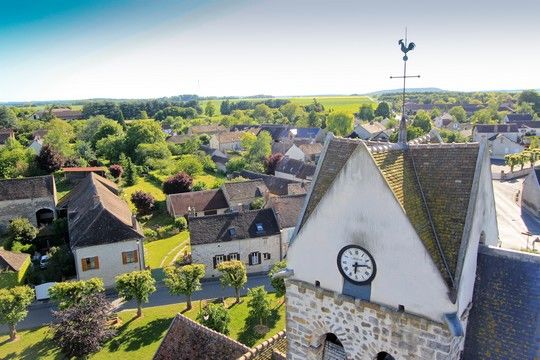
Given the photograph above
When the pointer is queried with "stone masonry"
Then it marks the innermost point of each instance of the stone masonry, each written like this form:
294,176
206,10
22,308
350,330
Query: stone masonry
364,328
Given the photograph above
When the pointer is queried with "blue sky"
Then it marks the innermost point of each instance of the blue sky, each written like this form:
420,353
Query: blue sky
75,49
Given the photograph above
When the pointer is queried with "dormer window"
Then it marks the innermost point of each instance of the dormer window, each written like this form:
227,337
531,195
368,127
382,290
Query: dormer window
232,232
259,227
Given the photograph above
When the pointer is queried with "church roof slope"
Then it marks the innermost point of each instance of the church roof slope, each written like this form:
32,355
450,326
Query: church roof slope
504,321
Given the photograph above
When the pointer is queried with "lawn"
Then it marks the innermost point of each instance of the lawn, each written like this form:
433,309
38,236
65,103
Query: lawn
140,338
63,187
145,185
211,181
160,253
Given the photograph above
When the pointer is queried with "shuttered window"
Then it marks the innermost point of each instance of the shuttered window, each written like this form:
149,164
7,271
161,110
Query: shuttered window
254,258
219,259
266,256
130,257
90,263
234,256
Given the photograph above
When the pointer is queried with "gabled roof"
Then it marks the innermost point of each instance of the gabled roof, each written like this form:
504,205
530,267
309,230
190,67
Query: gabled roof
282,147
305,133
215,228
85,169
277,132
276,185
27,188
287,209
12,261
529,124
229,136
498,128
504,321
295,167
373,127
97,215
244,192
189,340
311,149
518,118
497,136
197,201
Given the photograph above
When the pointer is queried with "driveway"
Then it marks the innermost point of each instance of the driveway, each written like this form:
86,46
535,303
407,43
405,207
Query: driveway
40,313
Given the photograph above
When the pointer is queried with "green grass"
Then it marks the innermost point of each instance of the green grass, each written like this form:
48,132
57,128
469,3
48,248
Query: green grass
140,338
63,187
211,181
145,185
161,251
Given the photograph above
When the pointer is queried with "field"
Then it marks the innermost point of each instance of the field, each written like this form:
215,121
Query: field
140,338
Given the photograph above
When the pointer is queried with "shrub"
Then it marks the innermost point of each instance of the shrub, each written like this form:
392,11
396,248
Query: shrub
20,229
190,164
180,223
258,304
178,183
150,233
258,203
49,159
216,317
116,170
199,186
144,202
131,173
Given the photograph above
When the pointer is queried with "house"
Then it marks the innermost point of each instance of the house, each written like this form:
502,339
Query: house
61,113
243,127
36,145
277,132
104,236
76,174
206,129
276,185
282,147
529,128
13,268
287,209
33,198
218,157
387,254
366,131
446,121
517,118
310,134
197,203
311,151
293,169
412,108
484,131
530,193
252,237
178,139
5,135
227,141
241,194
167,129
294,152
500,146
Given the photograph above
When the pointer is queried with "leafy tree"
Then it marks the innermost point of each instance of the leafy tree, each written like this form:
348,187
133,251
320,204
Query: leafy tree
143,201
383,110
435,112
61,264
130,175
458,113
15,159
209,109
225,107
69,293
116,170
271,163
106,128
293,112
184,280
85,151
178,183
278,283
263,113
422,120
7,118
340,123
180,223
189,164
247,140
215,317
136,285
314,120
82,330
20,229
258,304
236,164
366,113
261,148
111,147
14,304
233,274
59,136
157,150
531,97
49,159
413,132
143,132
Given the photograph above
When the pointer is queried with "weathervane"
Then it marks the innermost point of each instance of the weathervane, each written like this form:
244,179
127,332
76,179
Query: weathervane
402,138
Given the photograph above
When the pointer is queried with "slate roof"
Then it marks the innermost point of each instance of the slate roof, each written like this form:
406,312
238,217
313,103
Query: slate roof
12,261
282,147
189,340
214,228
373,127
243,127
244,192
498,128
537,171
530,124
178,139
305,133
295,167
287,209
39,134
27,188
518,118
197,200
97,215
504,321
277,132
276,185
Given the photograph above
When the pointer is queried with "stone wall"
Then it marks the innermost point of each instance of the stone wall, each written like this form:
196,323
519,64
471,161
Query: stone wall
26,208
364,328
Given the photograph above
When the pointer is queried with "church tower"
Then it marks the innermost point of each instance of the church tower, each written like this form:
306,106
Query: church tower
382,264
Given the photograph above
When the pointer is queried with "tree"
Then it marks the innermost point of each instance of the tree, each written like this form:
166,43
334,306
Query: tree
184,280
233,274
136,285
59,137
61,264
111,147
116,170
293,112
531,97
225,107
236,164
215,317
263,113
258,304
82,329
131,173
314,120
49,159
144,202
261,148
383,110
366,113
15,159
413,132
422,120
143,132
178,183
278,283
340,123
271,163
209,109
21,229
7,118
69,293
157,150
14,304
459,114
247,140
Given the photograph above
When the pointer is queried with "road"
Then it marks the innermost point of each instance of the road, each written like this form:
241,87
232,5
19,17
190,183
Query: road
40,313
511,219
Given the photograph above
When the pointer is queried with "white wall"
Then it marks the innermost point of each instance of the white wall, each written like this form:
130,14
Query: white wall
361,209
110,261
502,146
530,197
295,153
204,254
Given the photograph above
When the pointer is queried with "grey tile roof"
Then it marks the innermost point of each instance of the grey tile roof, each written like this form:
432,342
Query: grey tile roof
214,228
27,188
504,321
282,147
498,128
12,261
277,132
197,201
296,168
244,192
518,118
287,209
276,185
306,133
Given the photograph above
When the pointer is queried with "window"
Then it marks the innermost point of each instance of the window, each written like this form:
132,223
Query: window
130,257
232,232
255,258
266,256
218,259
91,263
234,256
259,227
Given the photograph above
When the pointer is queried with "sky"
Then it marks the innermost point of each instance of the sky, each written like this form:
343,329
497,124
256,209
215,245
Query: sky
67,49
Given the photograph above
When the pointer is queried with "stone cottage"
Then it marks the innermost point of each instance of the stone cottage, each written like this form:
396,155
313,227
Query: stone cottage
197,203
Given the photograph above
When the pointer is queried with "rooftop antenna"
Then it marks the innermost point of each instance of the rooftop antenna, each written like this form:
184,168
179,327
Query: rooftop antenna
405,48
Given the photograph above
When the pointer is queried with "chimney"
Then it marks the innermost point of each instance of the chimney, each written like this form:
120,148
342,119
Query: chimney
134,223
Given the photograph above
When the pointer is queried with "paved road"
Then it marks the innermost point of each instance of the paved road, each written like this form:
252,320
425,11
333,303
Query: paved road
511,219
40,313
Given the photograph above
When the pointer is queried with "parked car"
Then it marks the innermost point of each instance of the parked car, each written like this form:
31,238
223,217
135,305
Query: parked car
43,261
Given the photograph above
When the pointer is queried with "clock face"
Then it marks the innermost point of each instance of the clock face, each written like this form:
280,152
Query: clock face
356,264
